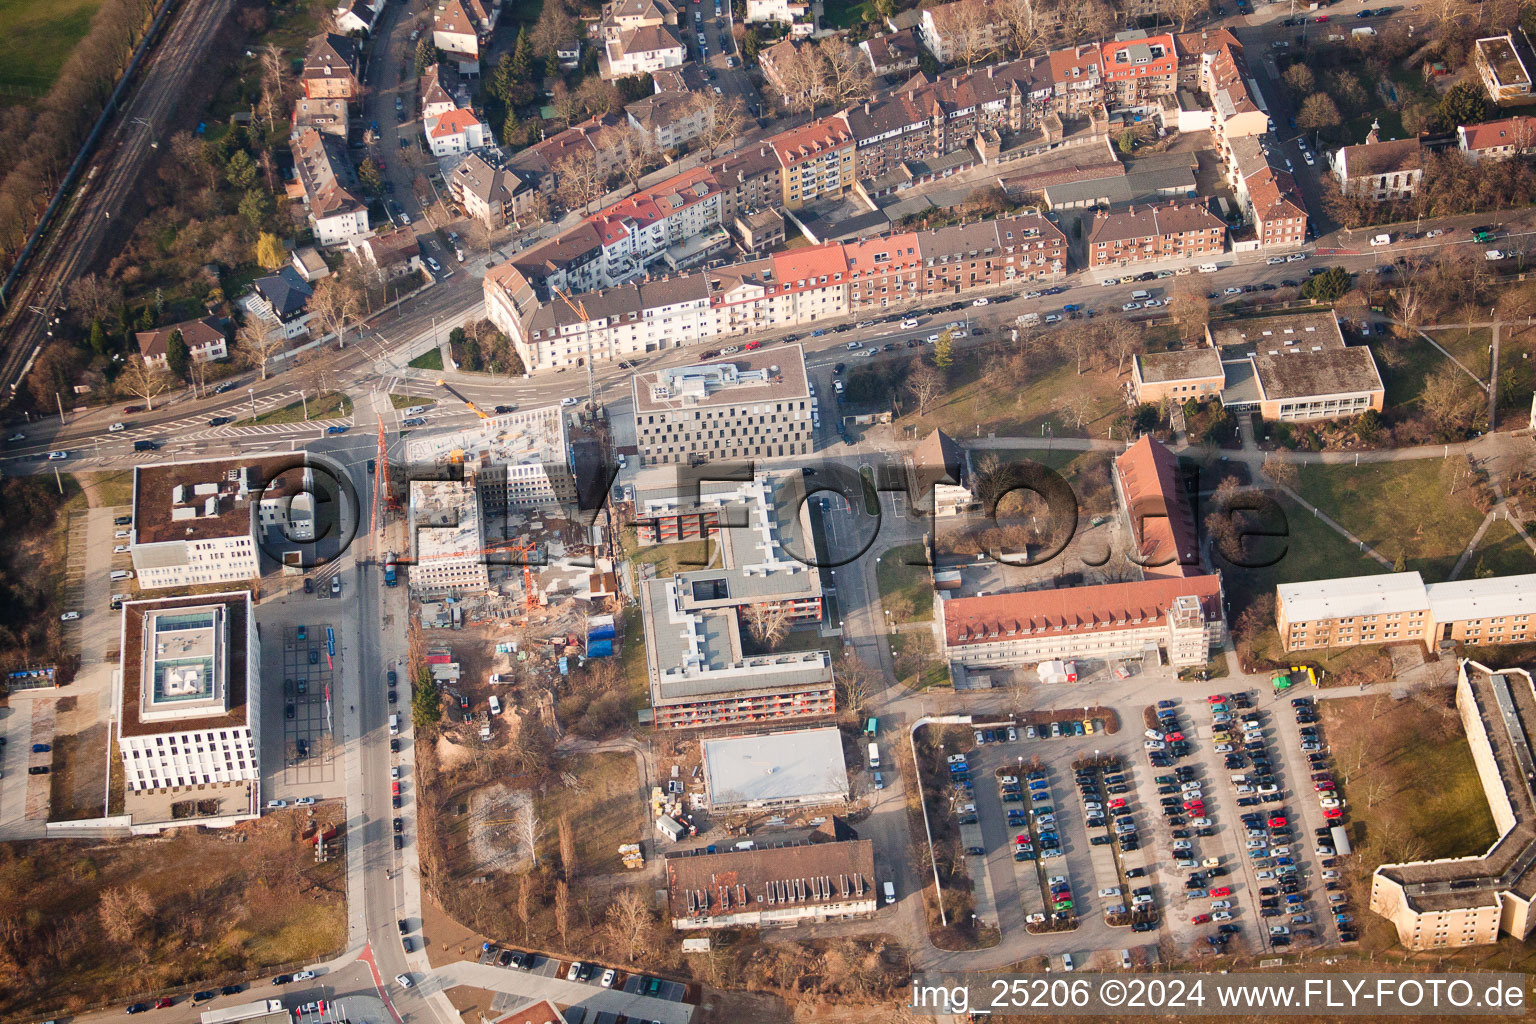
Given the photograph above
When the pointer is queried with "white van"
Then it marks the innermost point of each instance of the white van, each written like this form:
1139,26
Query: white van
1140,295
495,704
415,410
121,574
1381,239
909,323
1207,268
394,725
746,844
890,892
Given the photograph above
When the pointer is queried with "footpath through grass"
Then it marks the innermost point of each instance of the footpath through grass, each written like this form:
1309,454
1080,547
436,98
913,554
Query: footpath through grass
1405,509
329,406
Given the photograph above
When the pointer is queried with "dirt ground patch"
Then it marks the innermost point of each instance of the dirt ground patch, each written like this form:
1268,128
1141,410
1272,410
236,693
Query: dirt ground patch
496,840
107,922
600,793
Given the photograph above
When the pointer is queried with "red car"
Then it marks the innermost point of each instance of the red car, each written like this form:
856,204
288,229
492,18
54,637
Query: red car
164,1002
1277,822
1332,812
394,787
1117,803
1063,897
1322,19
1194,805
1174,737
1200,919
1022,839
1216,698
1219,892
1322,787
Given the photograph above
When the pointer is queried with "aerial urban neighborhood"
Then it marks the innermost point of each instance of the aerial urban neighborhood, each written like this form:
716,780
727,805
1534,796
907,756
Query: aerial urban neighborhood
667,511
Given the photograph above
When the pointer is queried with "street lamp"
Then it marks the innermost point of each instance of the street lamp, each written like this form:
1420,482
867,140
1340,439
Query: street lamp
252,393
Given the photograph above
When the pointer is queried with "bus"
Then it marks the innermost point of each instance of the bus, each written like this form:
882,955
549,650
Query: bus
245,1011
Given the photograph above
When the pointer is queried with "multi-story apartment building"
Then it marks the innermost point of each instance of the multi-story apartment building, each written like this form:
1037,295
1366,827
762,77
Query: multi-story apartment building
1266,192
1152,234
189,710
773,887
337,212
701,671
756,405
1180,618
198,523
891,55
642,51
1380,170
458,131
490,192
461,27
447,538
1139,69
748,179
638,230
815,160
1470,901
800,286
965,31
571,261
1077,79
330,68
1501,69
967,257
1400,608
517,461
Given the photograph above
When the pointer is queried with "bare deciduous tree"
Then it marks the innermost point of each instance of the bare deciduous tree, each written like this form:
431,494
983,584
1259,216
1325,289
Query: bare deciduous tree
337,301
629,923
768,623
563,911
1024,29
580,180
529,830
274,78
567,847
857,682
844,71
925,383
95,297
144,381
723,119
258,340
1192,310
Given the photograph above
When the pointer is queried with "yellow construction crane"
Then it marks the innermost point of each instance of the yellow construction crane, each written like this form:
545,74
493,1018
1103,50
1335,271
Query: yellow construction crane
581,311
472,406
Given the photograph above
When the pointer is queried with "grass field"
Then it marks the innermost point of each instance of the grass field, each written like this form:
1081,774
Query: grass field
432,359
38,37
113,488
1408,778
1404,367
406,401
931,673
1502,552
972,406
904,586
1468,345
329,406
1399,508
846,14
671,559
602,799
1312,551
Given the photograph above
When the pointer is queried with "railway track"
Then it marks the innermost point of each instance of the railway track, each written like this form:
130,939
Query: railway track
81,230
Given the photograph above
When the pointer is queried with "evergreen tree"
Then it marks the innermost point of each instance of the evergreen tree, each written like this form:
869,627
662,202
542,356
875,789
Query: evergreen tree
504,80
944,350
176,355
99,342
552,68
426,704
427,55
512,131
522,57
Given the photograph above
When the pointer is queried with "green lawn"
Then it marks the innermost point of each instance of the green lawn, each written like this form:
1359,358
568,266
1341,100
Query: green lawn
432,359
113,488
903,584
1502,552
1311,550
1399,508
1405,365
671,559
329,406
1468,345
846,14
971,405
406,401
38,37
933,671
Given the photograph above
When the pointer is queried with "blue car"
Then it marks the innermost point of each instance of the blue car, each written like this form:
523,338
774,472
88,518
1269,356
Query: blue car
336,430
1284,861
40,748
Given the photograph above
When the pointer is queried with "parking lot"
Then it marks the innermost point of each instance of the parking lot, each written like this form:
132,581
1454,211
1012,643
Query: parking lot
1191,856
309,743
553,967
